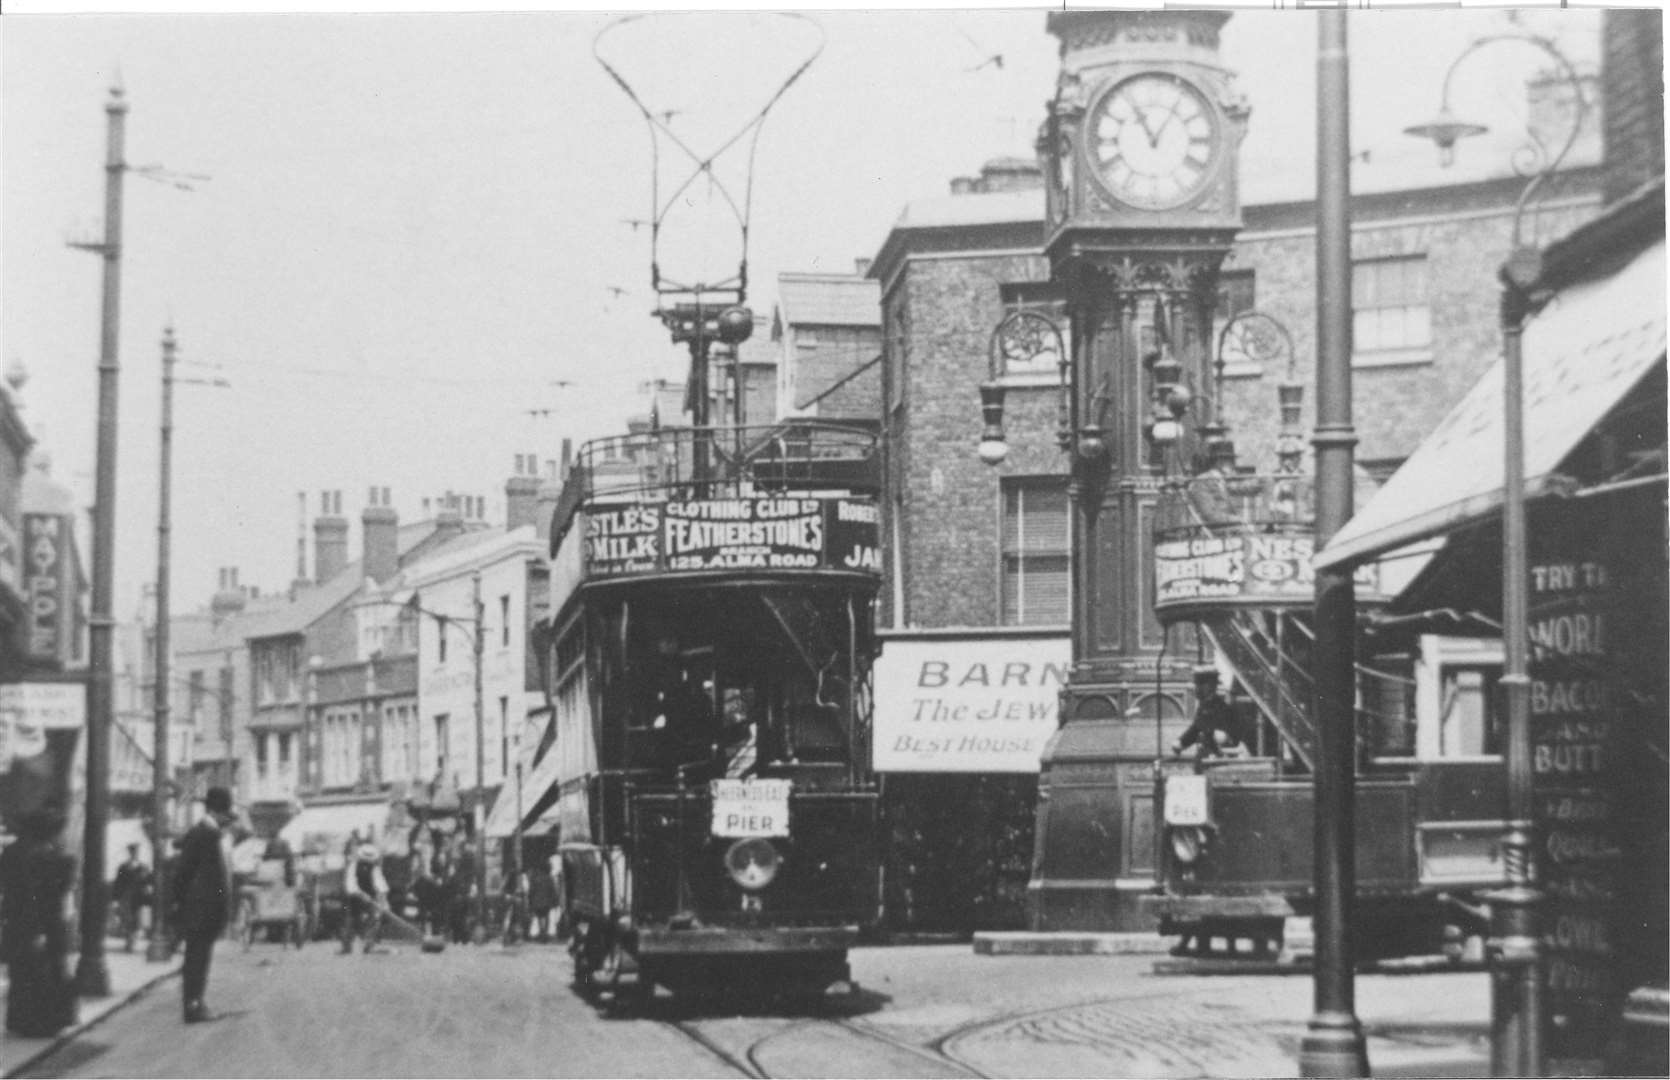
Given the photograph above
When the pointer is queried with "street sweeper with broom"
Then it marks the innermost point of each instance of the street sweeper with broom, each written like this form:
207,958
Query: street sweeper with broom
365,893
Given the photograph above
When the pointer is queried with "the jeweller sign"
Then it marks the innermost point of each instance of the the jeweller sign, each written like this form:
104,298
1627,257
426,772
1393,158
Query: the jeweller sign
967,703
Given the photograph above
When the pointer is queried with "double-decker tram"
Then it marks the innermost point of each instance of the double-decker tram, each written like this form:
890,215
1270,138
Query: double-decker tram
1236,839
708,663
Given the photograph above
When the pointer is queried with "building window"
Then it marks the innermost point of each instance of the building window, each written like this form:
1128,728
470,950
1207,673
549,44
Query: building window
194,699
805,337
1036,567
1032,346
1391,311
441,623
1237,295
504,736
225,700
442,722
504,620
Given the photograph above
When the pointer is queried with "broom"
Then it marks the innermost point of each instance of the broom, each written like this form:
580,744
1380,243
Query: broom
429,943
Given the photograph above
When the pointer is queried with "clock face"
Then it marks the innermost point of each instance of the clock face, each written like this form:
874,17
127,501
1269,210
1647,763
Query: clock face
1153,141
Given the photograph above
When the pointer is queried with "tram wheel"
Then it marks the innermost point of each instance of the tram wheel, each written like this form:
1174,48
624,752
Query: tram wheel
620,975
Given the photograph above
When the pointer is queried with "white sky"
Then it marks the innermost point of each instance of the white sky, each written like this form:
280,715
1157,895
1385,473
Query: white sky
413,222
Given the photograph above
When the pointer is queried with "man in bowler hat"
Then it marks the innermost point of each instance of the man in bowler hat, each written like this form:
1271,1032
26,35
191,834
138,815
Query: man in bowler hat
202,896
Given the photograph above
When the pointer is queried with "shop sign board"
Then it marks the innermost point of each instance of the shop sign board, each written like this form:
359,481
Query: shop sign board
46,559
757,533
1252,569
1575,767
972,704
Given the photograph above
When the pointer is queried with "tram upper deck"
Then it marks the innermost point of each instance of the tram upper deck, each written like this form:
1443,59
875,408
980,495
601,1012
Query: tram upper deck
796,498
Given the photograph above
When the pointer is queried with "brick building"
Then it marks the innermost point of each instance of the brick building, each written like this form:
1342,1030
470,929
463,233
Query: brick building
976,551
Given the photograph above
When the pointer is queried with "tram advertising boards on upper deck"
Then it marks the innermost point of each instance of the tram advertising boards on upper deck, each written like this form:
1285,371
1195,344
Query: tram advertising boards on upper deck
759,533
1253,569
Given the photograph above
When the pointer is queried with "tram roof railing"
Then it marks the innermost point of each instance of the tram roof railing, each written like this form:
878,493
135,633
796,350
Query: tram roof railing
673,463
1223,504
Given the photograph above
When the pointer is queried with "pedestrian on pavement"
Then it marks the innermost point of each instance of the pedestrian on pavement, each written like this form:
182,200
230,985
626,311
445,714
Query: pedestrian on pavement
542,901
365,893
132,892
1215,730
35,877
202,898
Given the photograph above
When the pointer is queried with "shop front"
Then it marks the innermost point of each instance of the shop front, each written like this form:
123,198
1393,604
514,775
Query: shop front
962,718
1595,487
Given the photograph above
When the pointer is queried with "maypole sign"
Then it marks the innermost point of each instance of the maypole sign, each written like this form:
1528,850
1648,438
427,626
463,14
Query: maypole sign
775,533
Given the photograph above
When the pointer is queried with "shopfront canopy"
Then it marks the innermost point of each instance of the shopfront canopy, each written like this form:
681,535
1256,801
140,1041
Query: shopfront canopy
1583,353
325,828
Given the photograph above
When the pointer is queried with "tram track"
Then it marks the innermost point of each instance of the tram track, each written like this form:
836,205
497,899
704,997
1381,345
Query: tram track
816,1046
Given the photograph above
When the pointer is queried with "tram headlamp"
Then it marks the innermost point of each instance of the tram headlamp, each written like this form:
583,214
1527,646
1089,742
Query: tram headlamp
1187,842
753,862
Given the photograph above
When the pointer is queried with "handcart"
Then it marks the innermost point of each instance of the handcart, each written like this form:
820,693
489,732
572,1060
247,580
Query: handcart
270,907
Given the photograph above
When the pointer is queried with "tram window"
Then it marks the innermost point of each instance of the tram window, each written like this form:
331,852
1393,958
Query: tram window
1466,721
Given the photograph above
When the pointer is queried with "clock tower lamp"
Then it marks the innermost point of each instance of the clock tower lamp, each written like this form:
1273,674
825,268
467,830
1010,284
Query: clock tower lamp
1139,154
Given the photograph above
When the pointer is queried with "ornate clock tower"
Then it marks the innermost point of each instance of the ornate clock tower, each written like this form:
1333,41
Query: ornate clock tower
1139,151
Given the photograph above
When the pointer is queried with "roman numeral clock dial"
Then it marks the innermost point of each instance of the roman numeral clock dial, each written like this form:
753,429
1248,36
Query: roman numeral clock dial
1153,141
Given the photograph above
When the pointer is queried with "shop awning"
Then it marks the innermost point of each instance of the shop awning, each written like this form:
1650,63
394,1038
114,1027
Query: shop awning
326,827
536,782
1582,353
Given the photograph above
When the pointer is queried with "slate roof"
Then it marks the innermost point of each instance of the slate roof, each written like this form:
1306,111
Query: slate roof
312,604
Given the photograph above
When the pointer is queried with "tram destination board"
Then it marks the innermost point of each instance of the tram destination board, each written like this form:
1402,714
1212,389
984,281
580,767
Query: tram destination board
739,534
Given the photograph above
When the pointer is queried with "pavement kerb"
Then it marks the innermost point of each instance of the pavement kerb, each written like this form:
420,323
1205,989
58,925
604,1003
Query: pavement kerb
1028,943
103,1009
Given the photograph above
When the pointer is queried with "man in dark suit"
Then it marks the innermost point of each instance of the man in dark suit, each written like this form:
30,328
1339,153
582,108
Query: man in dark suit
202,898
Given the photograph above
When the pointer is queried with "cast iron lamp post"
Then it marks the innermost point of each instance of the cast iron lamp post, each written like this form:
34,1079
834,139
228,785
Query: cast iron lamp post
1515,952
1333,1044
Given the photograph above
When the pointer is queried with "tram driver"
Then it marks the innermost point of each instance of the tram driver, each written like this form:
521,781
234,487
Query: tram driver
1216,730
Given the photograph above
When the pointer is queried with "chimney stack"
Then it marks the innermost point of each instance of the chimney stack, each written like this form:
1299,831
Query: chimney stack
861,267
228,599
330,537
381,525
521,494
301,580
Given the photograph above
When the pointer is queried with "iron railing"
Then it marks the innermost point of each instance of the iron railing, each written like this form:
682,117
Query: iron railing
669,464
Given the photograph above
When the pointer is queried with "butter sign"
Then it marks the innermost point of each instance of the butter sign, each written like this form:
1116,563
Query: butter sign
750,807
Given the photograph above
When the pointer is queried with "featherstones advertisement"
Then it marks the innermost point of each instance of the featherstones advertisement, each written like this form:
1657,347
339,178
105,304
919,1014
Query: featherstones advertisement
733,534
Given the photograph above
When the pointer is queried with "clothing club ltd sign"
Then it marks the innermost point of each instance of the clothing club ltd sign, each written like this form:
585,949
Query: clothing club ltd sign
1255,569
965,703
765,533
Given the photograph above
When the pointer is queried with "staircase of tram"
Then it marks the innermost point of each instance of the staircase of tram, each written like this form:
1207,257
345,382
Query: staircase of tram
1270,651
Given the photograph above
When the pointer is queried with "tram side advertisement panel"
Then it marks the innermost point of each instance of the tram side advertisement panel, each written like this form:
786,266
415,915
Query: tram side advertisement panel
775,533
